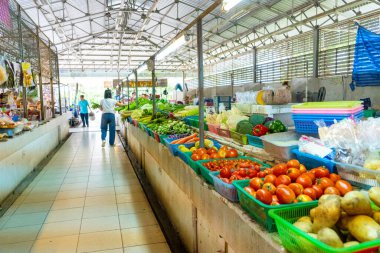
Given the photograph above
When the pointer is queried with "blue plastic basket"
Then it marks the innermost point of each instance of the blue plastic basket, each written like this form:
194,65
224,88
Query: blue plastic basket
174,147
311,161
255,141
228,191
304,123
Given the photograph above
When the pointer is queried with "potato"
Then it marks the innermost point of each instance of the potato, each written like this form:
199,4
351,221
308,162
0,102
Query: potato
304,226
349,244
355,203
327,197
363,228
305,219
376,216
374,195
330,237
326,214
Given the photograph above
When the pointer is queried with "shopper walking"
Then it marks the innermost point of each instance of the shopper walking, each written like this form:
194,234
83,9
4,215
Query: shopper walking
83,110
107,106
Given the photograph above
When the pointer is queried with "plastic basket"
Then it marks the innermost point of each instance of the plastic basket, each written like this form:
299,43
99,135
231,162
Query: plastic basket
329,111
258,210
157,137
307,125
311,161
213,128
226,190
206,173
135,123
224,133
329,104
295,240
129,119
255,141
240,138
359,176
184,157
162,138
174,147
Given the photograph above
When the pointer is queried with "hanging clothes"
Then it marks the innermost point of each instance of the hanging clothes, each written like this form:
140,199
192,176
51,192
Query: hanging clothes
366,71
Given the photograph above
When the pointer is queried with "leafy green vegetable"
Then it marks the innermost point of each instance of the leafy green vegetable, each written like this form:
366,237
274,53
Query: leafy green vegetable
244,127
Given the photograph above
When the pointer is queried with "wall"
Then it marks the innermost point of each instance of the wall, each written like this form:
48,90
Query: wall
21,154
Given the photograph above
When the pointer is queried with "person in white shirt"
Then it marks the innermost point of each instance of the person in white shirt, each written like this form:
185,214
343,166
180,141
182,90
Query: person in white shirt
107,106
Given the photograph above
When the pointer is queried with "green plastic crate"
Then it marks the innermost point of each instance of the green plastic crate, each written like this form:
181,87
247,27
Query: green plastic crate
258,210
206,172
191,163
240,138
297,241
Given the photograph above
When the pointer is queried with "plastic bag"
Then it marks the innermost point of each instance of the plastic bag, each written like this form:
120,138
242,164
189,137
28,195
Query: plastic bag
315,147
27,76
3,71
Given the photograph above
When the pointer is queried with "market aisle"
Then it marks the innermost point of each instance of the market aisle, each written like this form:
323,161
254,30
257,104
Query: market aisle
86,199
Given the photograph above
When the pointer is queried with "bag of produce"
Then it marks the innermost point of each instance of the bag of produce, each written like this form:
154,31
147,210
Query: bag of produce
27,75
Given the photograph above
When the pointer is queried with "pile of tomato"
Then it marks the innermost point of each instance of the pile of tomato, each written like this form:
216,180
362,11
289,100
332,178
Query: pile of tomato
236,169
213,153
292,183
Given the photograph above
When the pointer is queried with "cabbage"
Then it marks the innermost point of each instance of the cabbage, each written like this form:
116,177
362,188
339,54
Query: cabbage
233,120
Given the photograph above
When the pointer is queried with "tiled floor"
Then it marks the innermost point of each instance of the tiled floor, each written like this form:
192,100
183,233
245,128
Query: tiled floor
87,199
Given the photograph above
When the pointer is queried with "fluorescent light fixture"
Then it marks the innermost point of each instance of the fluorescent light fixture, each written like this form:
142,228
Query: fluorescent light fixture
229,4
142,68
171,48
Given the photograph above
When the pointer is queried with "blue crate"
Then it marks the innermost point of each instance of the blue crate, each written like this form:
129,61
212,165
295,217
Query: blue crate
311,161
255,141
174,147
304,123
228,191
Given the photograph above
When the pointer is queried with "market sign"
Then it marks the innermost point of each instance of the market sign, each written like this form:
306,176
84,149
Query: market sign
148,83
5,16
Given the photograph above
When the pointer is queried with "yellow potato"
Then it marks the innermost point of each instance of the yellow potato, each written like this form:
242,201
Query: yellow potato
374,195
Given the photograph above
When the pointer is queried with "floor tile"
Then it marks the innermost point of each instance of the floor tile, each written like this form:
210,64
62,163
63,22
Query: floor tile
74,186
108,191
72,180
59,229
137,220
34,207
37,197
99,211
64,215
64,244
67,203
71,194
100,200
142,235
128,189
19,234
135,207
109,251
99,241
149,248
130,197
20,247
100,224
29,219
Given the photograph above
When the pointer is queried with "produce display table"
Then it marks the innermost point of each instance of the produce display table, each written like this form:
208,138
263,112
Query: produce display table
21,154
205,221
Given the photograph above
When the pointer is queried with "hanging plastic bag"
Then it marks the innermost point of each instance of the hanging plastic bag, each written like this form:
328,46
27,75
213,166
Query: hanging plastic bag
17,74
27,76
3,71
10,83
92,116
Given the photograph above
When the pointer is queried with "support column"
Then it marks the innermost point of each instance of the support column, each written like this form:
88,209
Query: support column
128,91
40,76
316,34
254,67
200,82
24,101
51,82
137,91
154,86
59,83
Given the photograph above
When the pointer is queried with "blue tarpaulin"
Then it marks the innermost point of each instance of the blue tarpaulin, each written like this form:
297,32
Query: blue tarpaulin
366,71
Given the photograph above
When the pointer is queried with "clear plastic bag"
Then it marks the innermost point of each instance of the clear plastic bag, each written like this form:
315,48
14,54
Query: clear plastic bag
315,147
3,71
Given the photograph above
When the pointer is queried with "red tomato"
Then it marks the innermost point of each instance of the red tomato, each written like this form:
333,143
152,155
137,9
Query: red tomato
225,148
334,177
256,183
332,190
318,191
324,182
311,175
274,198
321,172
222,153
310,192
205,157
293,173
225,173
304,180
343,186
297,188
251,173
211,151
283,179
264,196
232,153
270,179
282,185
242,173
302,168
285,195
201,151
304,198
214,155
293,164
195,157
269,187
261,174
280,169
249,190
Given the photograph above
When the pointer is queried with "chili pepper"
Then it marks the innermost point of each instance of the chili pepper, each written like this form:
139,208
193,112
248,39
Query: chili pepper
260,130
277,126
